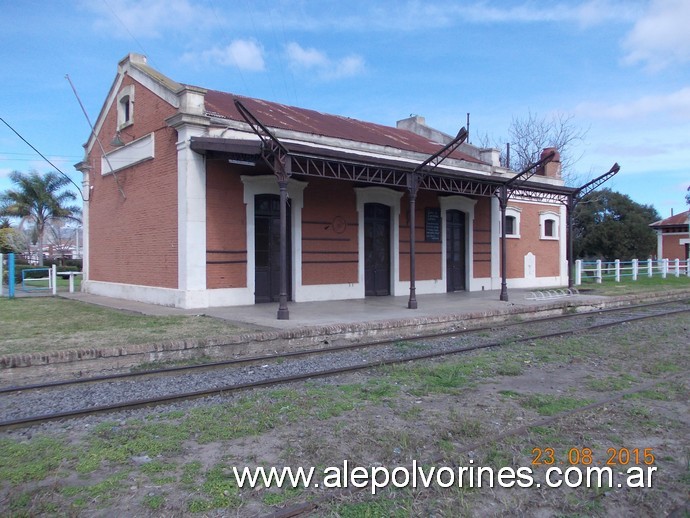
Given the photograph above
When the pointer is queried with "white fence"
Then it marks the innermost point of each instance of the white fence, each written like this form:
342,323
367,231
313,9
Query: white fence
596,271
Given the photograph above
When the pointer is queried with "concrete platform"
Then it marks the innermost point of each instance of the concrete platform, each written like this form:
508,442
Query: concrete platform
358,311
311,325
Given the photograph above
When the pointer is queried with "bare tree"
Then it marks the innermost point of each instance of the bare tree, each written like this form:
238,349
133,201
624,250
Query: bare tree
530,135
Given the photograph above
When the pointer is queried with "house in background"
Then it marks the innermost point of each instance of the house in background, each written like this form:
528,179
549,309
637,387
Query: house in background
187,206
673,236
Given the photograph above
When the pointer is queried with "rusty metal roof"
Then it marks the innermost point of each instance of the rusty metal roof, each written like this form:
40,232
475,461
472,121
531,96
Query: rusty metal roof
276,115
680,219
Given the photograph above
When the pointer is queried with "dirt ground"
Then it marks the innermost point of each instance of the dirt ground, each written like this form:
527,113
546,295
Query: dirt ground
618,396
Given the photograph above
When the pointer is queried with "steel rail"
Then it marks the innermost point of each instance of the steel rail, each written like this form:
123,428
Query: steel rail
148,402
317,351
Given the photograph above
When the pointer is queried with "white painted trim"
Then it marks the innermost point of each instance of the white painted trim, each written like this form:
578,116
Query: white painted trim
191,212
132,153
529,265
155,87
545,215
127,91
324,292
432,286
466,206
537,282
495,245
563,244
85,219
384,196
98,126
267,184
230,297
659,244
514,212
148,294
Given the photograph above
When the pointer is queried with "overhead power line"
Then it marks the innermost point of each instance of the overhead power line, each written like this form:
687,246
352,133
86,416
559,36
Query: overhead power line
44,157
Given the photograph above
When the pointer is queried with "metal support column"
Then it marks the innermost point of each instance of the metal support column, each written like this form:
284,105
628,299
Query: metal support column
283,312
573,199
413,186
569,207
503,202
516,182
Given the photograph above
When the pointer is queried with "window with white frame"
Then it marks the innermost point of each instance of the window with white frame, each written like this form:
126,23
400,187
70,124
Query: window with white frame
513,222
125,107
548,224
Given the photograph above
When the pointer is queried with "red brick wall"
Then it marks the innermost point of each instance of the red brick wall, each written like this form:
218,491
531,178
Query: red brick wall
482,238
672,247
226,227
427,255
134,240
546,251
329,252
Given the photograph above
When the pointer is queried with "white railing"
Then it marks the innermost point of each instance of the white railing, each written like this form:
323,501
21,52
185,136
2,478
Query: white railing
597,271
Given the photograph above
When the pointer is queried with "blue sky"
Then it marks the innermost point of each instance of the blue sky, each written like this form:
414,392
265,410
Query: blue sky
619,68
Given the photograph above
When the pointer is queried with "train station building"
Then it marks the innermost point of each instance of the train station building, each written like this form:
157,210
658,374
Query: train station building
673,236
200,198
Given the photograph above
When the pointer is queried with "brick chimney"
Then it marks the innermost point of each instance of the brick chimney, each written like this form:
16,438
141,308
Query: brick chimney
552,168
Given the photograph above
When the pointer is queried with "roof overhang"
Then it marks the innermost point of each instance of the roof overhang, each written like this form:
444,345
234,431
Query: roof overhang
327,162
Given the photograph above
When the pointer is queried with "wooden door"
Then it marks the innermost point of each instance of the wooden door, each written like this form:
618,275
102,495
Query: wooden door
377,244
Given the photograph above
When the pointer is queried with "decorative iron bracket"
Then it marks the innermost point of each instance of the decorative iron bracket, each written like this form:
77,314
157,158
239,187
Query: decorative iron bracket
594,184
518,181
273,152
422,170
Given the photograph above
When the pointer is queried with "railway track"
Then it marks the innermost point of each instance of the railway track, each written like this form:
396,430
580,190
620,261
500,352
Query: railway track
28,405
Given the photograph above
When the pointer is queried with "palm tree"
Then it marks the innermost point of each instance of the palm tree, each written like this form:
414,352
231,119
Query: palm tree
39,199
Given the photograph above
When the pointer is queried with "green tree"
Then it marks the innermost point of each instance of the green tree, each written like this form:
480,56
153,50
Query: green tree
610,225
5,233
39,199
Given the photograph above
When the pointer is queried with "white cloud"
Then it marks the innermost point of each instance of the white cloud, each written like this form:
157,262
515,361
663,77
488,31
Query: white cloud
591,12
311,59
307,58
150,18
674,105
660,37
243,54
415,15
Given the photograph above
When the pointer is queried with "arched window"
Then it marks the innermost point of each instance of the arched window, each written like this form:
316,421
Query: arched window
510,225
513,222
125,107
548,224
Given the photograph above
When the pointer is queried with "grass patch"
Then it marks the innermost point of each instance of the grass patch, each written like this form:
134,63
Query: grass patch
641,285
612,383
219,491
551,405
153,502
668,391
442,378
380,508
31,461
509,368
101,491
47,324
284,495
